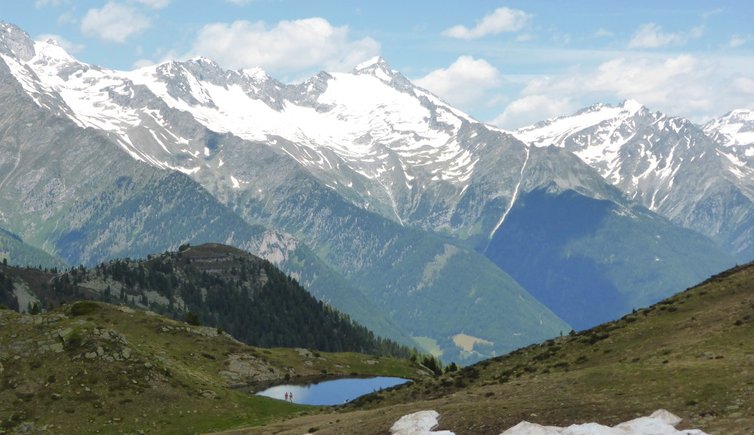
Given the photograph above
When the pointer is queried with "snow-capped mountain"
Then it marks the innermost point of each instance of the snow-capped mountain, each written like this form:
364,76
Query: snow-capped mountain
404,197
735,128
372,123
735,131
371,135
666,163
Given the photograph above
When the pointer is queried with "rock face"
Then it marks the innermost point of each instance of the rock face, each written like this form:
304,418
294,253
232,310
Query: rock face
242,369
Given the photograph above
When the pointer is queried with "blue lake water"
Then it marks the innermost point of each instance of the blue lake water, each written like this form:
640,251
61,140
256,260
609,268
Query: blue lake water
335,392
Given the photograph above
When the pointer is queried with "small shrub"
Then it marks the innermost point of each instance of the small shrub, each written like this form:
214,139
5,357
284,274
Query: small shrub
83,308
73,339
192,318
597,337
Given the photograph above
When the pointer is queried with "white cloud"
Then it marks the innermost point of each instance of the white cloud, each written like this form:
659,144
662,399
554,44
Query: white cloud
288,47
603,33
464,82
744,84
530,109
67,45
43,3
155,4
650,35
690,86
674,81
739,40
239,2
141,63
114,22
66,18
499,21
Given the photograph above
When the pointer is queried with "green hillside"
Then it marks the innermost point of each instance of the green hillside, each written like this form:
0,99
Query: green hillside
92,367
214,285
691,354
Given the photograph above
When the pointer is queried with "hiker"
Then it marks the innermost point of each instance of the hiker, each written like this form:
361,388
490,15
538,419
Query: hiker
286,396
290,396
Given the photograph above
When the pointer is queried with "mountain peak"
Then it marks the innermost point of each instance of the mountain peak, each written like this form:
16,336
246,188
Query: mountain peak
202,59
256,74
372,63
631,105
740,114
15,42
734,128
51,50
376,66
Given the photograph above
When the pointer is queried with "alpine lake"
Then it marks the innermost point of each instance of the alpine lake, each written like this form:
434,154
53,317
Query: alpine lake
331,392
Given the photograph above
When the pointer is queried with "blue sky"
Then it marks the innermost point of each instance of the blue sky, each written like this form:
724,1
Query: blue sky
506,62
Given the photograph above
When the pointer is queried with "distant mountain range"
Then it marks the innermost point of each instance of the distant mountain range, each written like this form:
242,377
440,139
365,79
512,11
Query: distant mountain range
701,178
380,198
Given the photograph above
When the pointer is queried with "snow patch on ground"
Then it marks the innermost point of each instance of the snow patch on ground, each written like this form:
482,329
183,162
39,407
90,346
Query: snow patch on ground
660,422
418,423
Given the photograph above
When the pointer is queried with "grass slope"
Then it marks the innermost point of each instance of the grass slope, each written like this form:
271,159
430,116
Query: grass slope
92,366
692,354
